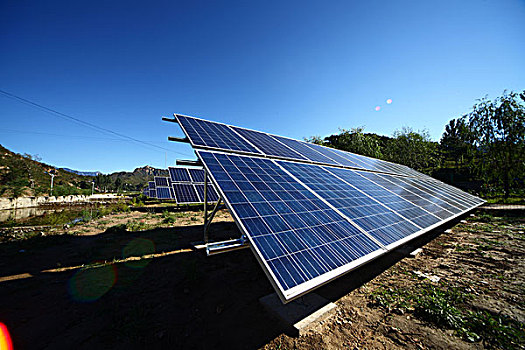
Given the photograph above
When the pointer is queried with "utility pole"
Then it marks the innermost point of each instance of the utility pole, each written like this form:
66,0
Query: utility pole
92,186
52,173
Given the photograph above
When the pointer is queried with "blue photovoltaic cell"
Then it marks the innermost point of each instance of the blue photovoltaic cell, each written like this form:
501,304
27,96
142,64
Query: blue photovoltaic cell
453,204
212,194
179,174
307,151
153,193
464,197
267,144
151,185
161,181
297,235
197,175
380,221
408,210
185,193
414,195
163,193
216,135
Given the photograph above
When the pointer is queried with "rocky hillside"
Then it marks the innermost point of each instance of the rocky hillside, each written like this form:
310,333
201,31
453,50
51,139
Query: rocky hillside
21,175
25,175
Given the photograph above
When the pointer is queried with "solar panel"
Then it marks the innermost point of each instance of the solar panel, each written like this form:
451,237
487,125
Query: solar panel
197,175
163,193
312,213
212,194
374,209
153,193
218,136
151,185
185,193
161,181
213,135
296,235
310,223
179,174
267,144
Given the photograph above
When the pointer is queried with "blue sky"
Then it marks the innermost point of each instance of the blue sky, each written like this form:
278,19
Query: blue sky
296,69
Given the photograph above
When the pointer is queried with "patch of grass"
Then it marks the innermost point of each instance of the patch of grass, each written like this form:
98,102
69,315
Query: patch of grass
446,306
136,225
167,218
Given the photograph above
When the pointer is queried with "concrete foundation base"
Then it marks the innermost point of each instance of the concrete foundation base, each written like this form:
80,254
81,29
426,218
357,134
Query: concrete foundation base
300,315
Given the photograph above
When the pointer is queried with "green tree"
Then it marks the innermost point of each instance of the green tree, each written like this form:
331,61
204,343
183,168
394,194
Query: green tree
355,141
118,184
413,149
456,142
498,128
318,140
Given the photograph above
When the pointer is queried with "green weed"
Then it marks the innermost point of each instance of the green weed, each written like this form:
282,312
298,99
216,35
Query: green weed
446,306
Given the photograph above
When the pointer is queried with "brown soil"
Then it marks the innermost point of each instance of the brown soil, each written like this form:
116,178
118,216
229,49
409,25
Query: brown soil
179,298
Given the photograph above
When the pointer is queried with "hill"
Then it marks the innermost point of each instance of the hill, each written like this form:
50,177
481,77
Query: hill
23,175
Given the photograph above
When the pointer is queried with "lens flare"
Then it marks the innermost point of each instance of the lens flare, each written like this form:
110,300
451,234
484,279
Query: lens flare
377,108
5,338
389,101
92,283
138,247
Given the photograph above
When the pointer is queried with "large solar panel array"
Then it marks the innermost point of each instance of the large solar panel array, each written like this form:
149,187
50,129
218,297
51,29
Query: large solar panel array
216,136
312,213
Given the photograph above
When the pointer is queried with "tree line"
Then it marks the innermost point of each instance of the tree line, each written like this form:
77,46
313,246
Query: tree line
482,151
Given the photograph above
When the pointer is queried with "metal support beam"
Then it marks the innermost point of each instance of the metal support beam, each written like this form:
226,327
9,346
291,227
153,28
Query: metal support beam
207,222
178,139
189,162
206,207
174,120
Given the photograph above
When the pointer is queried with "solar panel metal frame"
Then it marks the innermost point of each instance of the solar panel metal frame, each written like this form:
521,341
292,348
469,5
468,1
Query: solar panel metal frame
306,287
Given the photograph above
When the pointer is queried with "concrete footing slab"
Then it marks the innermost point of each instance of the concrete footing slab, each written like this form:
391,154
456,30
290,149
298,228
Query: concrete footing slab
300,315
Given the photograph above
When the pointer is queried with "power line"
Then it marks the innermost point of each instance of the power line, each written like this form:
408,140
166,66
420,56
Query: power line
79,121
75,136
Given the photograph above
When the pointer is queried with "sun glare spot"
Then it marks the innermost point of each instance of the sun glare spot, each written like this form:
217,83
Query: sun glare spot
389,101
5,338
377,108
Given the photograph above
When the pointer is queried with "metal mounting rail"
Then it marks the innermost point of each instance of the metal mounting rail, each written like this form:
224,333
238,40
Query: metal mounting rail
227,246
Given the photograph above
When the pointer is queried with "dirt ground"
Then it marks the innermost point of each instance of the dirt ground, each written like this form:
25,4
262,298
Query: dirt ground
88,288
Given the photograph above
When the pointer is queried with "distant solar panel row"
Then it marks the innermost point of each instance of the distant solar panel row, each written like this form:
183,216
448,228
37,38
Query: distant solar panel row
185,186
217,136
186,175
310,223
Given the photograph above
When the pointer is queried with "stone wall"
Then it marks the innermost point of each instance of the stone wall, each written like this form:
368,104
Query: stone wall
29,202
